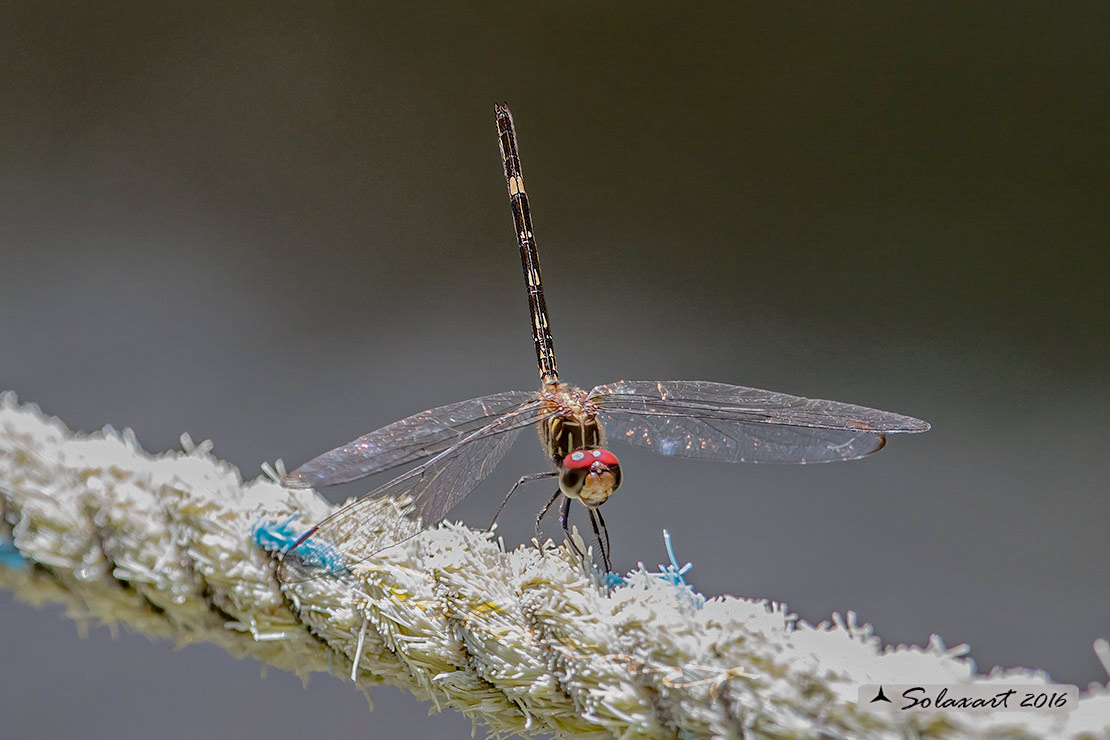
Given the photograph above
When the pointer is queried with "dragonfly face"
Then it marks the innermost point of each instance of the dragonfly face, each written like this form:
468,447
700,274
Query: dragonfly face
590,476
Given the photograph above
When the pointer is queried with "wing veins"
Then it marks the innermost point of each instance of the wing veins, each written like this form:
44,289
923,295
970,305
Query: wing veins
421,435
805,414
338,528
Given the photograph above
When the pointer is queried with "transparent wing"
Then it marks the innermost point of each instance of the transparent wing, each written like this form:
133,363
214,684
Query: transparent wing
730,423
427,492
414,438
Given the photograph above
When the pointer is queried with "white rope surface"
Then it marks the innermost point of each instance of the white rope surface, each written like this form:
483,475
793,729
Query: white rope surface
524,642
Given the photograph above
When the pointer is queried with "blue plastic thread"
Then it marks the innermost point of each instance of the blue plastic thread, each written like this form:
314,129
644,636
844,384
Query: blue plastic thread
676,575
10,556
672,574
272,537
282,536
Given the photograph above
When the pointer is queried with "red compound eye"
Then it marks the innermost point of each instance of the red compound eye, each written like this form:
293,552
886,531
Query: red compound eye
586,458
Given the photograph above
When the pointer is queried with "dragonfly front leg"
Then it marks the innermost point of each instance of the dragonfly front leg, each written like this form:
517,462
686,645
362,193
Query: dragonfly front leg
563,521
604,529
602,544
544,510
523,479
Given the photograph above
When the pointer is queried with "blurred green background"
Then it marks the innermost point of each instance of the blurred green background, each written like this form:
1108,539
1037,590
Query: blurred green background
282,226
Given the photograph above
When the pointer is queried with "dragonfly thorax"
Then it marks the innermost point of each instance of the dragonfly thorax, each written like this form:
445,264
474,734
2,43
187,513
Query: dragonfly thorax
573,426
590,476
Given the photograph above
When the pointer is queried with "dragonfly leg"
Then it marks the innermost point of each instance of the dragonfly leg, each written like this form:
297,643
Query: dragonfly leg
523,479
602,544
544,510
563,520
604,531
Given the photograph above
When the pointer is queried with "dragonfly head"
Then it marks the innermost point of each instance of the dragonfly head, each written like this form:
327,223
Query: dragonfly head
591,476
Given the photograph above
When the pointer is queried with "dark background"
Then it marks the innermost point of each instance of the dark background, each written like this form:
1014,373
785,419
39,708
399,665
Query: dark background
282,228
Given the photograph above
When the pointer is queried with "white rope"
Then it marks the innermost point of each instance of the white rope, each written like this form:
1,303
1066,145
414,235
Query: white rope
530,641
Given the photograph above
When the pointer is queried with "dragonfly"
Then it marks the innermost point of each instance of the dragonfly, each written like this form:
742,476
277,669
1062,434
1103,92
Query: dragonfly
458,445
